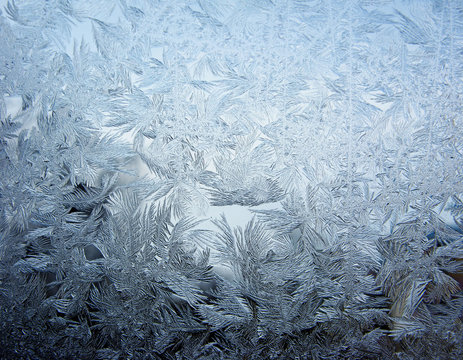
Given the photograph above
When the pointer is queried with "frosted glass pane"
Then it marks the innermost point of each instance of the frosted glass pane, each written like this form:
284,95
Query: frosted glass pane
218,179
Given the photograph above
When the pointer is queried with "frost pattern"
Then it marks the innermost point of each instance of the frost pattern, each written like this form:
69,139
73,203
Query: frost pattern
337,123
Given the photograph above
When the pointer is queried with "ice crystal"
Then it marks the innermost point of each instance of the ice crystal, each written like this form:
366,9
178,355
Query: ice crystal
125,126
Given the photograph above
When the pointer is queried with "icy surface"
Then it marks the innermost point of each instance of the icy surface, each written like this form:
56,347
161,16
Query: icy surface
327,133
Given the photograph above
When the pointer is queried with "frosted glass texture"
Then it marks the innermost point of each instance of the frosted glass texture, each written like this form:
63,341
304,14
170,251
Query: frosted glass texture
220,179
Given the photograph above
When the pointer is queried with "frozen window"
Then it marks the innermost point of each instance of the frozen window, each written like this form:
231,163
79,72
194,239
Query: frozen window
221,179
